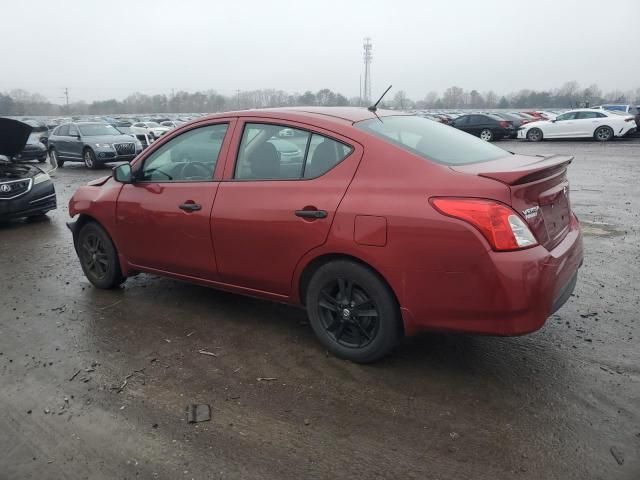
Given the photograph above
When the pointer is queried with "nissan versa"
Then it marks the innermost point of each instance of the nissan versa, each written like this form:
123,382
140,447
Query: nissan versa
387,225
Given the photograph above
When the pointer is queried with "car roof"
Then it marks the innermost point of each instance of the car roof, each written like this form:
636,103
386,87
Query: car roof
341,115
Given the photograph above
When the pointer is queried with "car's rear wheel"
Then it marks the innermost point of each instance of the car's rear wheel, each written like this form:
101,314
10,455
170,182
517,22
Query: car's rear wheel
534,135
486,135
90,158
353,312
603,134
98,257
54,160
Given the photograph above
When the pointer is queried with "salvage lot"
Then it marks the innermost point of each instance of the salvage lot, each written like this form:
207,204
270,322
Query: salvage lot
561,403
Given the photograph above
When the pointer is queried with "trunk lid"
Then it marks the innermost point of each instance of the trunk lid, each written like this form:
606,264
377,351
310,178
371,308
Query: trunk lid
539,191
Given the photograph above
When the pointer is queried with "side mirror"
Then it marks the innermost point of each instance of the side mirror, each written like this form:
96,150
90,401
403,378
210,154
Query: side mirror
123,173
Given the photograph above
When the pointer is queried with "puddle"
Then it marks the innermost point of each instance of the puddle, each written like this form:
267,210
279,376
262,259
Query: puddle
598,229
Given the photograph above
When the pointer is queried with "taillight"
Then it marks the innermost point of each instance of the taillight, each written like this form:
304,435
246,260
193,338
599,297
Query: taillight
504,124
503,228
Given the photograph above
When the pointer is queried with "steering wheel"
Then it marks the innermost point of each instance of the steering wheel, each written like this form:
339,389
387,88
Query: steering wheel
195,169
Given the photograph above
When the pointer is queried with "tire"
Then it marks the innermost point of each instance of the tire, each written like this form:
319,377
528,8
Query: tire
534,135
353,312
486,135
90,159
98,257
603,134
54,160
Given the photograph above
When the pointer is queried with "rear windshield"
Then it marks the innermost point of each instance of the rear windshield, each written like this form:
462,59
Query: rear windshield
432,140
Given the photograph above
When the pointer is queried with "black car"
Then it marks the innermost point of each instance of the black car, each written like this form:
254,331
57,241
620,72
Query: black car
35,149
515,120
93,143
25,190
485,125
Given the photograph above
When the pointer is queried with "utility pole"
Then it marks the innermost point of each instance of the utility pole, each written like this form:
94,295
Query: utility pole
368,47
238,99
66,96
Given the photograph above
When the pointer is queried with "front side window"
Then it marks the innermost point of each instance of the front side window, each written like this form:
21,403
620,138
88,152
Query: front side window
189,157
274,152
566,116
431,140
460,121
73,131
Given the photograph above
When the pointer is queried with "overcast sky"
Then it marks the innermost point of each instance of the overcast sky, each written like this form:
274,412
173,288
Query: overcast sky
109,49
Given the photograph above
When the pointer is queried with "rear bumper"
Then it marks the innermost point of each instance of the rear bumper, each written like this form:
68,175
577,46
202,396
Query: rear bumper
505,294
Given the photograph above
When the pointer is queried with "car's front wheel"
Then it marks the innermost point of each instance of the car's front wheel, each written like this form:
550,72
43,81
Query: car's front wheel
353,312
486,135
603,134
98,257
534,135
90,158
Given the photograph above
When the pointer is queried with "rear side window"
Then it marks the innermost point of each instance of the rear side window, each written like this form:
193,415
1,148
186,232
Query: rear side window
274,152
587,115
431,140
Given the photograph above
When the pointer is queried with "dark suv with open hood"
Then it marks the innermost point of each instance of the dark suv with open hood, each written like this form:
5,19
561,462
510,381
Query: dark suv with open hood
92,143
25,190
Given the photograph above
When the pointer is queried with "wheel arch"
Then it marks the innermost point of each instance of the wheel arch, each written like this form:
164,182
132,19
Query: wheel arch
85,218
613,132
312,266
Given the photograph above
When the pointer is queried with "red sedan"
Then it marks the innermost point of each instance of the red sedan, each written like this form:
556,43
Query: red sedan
379,226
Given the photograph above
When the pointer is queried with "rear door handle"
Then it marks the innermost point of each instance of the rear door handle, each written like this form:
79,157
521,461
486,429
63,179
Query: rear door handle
311,213
190,207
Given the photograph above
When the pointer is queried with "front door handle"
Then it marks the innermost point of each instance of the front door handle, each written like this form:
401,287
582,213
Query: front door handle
190,207
311,213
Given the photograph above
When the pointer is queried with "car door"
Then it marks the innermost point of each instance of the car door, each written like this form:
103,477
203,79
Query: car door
59,141
480,122
269,213
163,219
74,142
587,122
462,123
564,126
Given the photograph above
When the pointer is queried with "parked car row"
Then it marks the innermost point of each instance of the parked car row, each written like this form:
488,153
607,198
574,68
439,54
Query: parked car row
602,123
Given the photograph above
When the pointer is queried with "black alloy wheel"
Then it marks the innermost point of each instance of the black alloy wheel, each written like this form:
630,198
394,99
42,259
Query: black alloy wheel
353,312
348,314
98,257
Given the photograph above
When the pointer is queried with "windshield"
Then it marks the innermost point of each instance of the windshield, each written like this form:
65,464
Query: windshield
97,129
152,124
431,140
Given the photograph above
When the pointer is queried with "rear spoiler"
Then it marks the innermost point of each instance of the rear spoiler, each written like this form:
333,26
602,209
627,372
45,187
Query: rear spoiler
518,169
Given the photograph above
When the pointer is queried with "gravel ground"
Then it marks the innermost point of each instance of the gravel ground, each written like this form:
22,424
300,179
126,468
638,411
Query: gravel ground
94,384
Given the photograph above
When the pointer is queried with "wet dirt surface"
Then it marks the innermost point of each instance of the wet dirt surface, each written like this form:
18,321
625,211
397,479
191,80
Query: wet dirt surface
94,384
